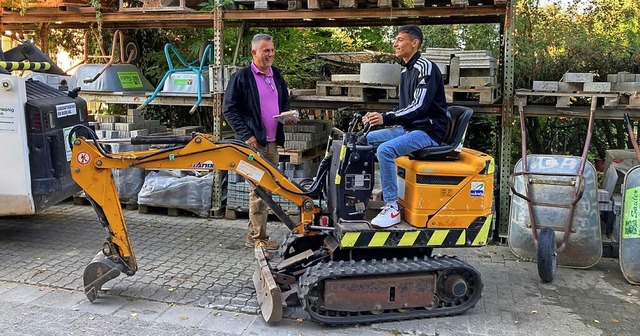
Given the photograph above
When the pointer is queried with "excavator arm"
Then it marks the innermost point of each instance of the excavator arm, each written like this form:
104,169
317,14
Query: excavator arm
91,167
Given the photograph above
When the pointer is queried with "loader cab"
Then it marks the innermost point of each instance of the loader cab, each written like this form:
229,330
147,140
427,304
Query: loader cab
35,121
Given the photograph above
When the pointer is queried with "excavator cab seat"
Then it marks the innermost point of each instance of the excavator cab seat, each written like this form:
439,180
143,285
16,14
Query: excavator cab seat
449,149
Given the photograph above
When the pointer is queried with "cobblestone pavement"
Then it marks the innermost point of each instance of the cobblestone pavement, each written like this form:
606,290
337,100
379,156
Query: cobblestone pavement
195,277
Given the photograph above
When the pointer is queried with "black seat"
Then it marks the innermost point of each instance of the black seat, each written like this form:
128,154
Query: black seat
449,149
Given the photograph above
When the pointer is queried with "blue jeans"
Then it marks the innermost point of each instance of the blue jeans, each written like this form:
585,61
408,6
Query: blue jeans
393,143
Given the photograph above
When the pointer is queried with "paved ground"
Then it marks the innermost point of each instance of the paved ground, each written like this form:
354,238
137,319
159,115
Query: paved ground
194,278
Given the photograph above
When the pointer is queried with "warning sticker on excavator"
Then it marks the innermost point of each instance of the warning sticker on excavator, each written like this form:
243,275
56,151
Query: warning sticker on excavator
252,172
83,158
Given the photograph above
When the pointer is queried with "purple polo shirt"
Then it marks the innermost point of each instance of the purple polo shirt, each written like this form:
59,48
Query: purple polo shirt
269,107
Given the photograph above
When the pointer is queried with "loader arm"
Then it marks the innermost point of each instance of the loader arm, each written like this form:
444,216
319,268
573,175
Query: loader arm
91,169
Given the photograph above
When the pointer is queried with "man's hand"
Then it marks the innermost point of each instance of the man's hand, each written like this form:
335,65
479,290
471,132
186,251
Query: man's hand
292,121
253,142
373,118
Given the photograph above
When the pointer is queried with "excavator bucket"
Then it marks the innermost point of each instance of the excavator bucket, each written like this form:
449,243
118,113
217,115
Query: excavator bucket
97,273
267,291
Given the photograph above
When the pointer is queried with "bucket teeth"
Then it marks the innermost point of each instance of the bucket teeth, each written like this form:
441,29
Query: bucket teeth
97,273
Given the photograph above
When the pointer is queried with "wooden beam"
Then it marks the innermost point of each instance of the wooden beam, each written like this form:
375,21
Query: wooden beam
274,18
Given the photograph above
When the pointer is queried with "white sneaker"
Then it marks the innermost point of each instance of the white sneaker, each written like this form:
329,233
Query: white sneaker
388,217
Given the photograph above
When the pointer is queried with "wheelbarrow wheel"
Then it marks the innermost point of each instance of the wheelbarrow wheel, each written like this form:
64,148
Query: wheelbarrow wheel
547,254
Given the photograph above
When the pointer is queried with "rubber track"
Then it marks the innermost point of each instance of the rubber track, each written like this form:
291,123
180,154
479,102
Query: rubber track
349,269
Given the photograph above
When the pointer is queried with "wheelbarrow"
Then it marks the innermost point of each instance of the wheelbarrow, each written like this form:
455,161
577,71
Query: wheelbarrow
629,247
554,217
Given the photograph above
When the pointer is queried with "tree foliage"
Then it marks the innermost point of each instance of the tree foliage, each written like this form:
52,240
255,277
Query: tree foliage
598,36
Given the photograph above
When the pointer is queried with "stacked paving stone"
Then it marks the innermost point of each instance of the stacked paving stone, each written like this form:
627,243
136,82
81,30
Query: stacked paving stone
625,83
470,76
465,68
306,134
121,126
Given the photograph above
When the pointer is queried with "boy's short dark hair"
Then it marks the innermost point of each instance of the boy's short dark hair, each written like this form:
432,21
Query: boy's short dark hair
411,30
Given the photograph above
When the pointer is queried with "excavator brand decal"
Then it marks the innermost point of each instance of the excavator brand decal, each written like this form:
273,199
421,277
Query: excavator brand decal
206,164
474,235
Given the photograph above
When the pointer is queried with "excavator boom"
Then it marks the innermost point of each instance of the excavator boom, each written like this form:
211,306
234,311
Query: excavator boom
91,168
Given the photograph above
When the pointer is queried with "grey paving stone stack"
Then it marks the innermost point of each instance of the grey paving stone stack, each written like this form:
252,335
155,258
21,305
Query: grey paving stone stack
306,134
125,126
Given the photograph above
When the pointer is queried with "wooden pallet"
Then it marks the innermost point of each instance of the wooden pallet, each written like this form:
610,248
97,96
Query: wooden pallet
298,156
173,212
268,4
364,91
563,99
471,95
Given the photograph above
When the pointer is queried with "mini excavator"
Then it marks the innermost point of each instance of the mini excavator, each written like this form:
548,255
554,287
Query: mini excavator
340,269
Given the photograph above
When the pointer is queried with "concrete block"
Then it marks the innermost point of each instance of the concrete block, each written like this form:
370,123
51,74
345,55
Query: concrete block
519,100
627,86
127,126
454,71
140,132
380,73
108,118
577,77
186,130
611,102
442,67
478,72
348,4
133,119
545,86
570,87
473,53
563,102
626,77
597,87
433,53
111,134
107,126
348,78
151,123
477,81
612,78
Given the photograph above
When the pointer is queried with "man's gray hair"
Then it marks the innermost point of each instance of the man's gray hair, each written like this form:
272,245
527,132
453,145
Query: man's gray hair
260,37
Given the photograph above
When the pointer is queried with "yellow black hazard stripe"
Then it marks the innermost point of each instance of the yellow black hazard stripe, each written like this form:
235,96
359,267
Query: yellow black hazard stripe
35,66
474,235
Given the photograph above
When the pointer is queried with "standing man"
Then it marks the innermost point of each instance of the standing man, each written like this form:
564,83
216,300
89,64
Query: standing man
421,115
254,96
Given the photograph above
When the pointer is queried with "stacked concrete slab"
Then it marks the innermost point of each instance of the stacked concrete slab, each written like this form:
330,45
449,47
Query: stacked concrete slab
306,134
125,126
625,83
465,68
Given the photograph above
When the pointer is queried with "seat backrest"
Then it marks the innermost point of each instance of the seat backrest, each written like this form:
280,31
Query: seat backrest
451,146
460,117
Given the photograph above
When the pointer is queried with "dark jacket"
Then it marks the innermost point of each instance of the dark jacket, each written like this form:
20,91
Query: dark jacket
241,105
423,105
